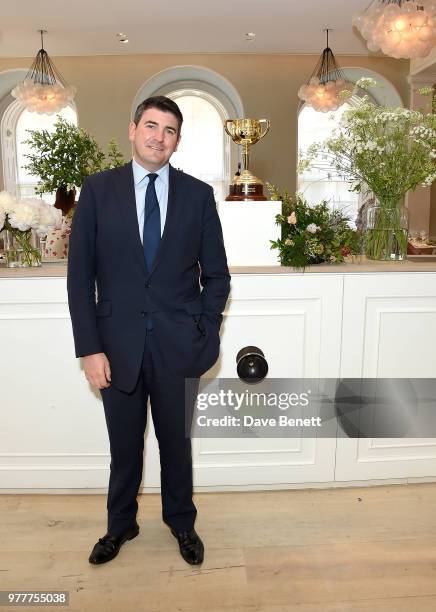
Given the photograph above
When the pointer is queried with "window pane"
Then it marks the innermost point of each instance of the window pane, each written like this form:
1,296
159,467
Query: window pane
201,149
35,121
314,126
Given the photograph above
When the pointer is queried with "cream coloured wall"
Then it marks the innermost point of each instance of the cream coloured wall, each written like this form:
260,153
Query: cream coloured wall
267,84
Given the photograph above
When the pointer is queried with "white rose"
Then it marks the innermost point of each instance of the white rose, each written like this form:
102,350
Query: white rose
25,214
49,218
7,201
312,228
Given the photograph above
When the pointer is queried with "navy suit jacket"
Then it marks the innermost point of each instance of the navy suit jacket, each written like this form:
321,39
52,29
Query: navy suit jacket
184,293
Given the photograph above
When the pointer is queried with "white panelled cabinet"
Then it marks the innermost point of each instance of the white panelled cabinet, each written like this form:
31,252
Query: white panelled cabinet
388,331
340,321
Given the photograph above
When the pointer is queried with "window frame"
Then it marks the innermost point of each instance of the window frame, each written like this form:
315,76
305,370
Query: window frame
216,104
386,93
8,138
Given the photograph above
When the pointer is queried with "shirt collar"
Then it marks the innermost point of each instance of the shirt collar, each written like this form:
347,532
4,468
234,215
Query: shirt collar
139,172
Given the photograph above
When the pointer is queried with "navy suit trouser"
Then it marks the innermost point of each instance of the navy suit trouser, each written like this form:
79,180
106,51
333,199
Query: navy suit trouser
126,419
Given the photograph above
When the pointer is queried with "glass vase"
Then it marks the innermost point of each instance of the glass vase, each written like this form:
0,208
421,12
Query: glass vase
386,231
22,249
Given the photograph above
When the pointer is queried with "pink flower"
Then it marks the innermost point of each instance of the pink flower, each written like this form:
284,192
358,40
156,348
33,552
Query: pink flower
292,219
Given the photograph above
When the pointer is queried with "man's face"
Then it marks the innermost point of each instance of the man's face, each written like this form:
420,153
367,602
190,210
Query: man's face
155,138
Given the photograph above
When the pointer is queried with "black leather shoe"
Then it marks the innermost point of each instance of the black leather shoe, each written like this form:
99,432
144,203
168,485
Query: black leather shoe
109,546
191,546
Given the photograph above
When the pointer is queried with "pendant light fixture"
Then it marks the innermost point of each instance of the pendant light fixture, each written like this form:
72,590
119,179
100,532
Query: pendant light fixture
323,90
44,90
400,28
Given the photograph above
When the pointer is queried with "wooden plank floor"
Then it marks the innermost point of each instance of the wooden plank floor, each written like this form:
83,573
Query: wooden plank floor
367,549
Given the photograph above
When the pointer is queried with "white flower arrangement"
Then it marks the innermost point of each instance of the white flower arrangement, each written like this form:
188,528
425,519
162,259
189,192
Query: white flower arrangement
21,216
390,150
28,213
387,151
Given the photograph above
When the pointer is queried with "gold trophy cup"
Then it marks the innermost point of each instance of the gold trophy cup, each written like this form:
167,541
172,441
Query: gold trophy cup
246,132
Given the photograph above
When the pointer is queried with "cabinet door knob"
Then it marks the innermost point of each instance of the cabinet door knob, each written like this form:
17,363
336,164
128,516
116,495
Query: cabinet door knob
251,365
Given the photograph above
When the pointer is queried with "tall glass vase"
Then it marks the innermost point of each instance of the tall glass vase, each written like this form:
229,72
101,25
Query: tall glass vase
386,231
22,249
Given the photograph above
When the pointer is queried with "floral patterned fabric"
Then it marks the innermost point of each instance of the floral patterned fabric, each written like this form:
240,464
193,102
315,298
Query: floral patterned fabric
56,245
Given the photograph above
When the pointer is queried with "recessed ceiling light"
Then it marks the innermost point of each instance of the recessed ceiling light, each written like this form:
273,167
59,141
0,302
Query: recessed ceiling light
122,37
250,36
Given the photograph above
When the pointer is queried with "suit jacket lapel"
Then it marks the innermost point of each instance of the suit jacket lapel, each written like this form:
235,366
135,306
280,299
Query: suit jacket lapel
125,187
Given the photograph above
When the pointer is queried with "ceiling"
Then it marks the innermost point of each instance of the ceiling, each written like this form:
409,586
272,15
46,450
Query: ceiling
85,27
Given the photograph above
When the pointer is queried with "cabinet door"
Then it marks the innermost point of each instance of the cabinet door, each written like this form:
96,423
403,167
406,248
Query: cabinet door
296,320
53,433
388,331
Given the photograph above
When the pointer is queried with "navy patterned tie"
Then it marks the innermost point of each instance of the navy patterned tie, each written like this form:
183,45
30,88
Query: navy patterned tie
151,233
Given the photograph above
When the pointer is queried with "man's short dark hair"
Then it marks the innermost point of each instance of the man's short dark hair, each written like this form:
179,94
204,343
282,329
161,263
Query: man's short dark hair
163,104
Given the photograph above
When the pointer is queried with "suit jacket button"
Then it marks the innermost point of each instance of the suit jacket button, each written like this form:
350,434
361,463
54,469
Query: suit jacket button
143,313
147,285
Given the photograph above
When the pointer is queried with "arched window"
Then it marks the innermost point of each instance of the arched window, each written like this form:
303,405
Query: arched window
206,100
203,148
15,123
25,182
318,184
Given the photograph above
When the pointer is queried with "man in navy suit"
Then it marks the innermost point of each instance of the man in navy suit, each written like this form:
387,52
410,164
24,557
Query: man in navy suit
149,237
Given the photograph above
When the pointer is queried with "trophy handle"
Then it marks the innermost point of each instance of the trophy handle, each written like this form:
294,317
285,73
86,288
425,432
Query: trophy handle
267,123
230,132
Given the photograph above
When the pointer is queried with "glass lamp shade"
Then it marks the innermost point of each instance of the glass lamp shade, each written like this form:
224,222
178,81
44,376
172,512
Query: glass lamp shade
42,98
327,96
327,89
44,90
402,29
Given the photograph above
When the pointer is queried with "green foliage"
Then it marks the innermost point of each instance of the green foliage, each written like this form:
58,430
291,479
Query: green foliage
312,234
429,91
114,157
66,156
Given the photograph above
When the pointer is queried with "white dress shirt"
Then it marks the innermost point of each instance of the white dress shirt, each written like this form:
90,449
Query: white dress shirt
161,186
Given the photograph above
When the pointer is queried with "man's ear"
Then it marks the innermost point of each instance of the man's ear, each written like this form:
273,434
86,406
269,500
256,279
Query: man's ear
132,130
178,142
